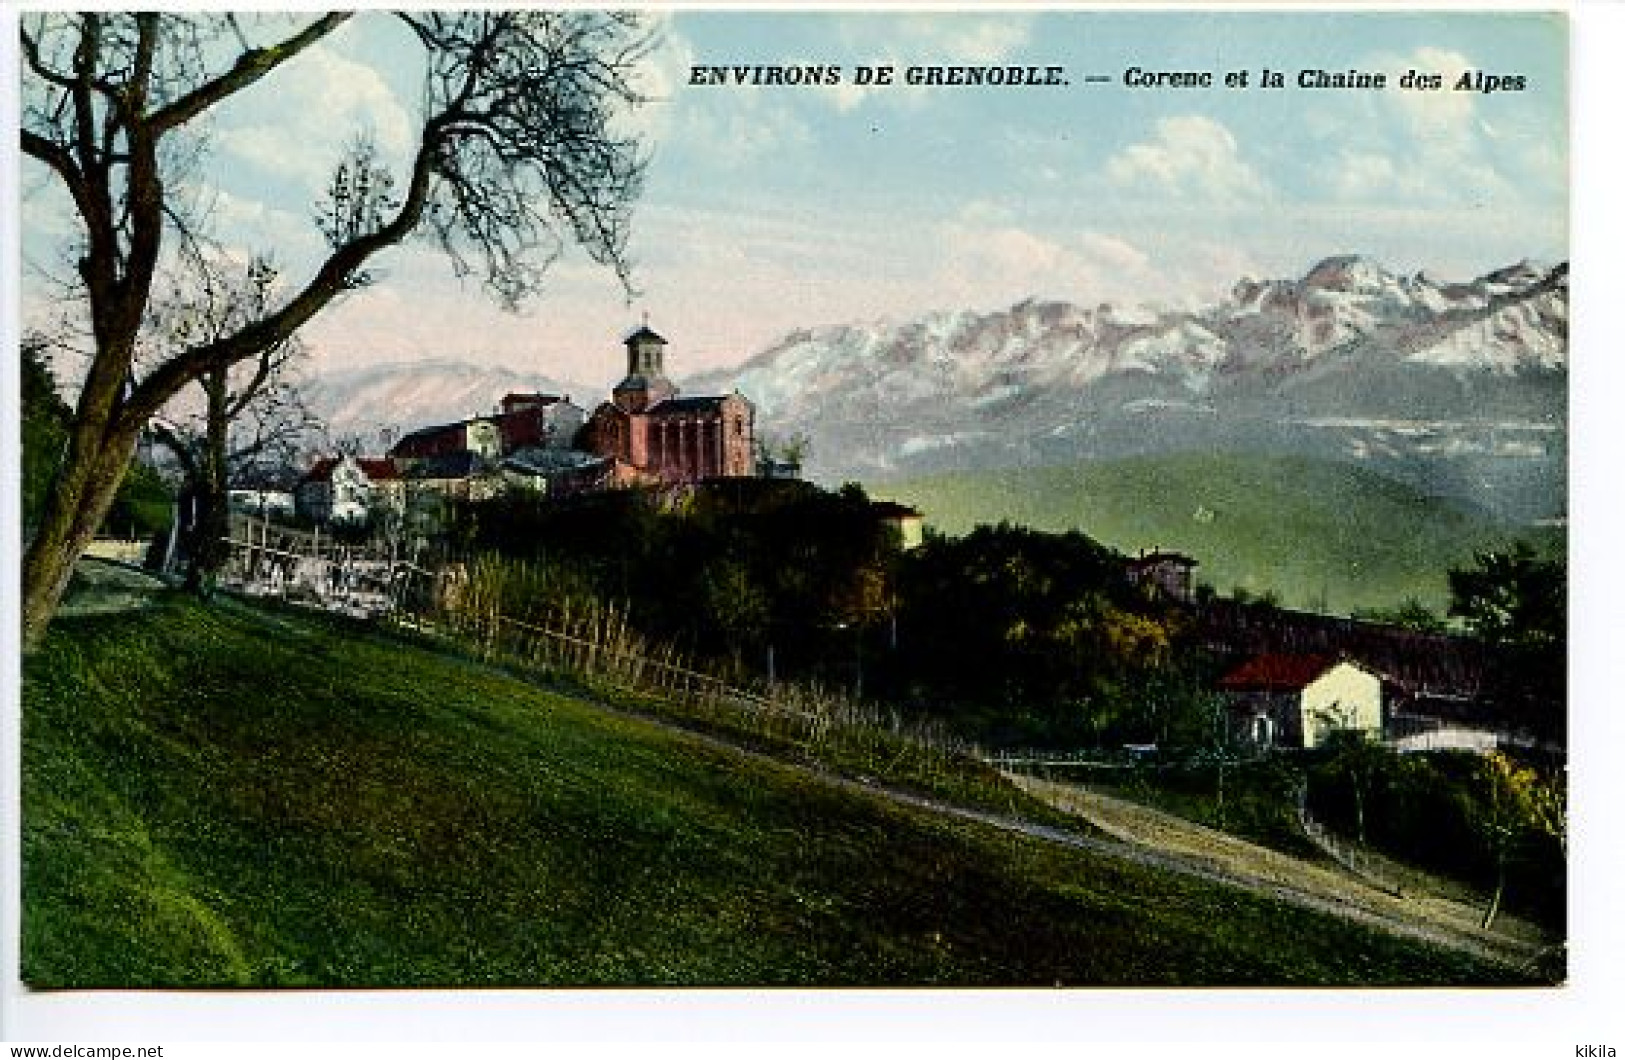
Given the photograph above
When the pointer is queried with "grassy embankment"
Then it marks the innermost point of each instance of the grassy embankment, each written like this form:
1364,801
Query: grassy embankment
235,797
1309,530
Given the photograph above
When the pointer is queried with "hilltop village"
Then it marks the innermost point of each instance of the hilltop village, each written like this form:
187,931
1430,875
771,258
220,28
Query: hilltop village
646,435
1291,679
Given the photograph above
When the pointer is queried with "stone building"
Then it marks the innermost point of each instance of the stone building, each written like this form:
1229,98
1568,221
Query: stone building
523,421
1166,573
480,435
539,420
656,437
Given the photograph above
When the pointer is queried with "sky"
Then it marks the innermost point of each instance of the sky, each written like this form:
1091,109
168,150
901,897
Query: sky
770,208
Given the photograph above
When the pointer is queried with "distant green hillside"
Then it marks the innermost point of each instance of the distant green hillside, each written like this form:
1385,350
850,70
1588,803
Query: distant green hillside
1310,530
231,797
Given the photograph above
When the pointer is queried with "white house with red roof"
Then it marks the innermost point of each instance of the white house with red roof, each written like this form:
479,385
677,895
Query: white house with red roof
345,489
1285,700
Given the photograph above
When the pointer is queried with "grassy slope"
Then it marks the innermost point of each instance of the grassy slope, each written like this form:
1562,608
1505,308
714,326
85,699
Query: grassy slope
1297,526
223,797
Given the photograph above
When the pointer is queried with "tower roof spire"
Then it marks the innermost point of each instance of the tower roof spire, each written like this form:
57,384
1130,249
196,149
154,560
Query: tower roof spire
645,383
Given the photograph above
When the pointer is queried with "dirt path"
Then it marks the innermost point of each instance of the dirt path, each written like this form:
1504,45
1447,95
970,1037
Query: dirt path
104,587
1156,840
1148,837
1441,920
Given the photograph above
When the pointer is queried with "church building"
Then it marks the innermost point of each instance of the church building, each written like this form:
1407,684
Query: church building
654,436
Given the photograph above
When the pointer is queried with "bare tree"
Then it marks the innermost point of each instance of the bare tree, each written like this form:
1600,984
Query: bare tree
251,415
517,154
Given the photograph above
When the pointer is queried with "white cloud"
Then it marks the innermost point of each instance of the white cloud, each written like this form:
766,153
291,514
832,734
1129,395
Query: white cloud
1114,253
942,37
749,127
1191,156
741,136
660,78
1430,148
986,259
1443,115
296,124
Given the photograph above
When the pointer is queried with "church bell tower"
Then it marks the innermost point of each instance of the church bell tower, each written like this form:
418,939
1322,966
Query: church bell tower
645,384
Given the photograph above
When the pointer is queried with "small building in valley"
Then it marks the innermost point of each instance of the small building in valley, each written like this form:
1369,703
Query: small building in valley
908,523
1167,573
1301,700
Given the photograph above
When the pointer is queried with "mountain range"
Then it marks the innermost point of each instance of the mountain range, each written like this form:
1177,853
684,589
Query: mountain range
1458,389
379,403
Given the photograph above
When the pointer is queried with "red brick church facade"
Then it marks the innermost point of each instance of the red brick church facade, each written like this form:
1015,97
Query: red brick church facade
655,436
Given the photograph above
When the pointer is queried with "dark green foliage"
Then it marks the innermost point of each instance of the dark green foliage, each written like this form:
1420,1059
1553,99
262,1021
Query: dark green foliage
1427,810
44,428
740,567
1517,602
1011,635
1317,532
1025,636
227,797
142,507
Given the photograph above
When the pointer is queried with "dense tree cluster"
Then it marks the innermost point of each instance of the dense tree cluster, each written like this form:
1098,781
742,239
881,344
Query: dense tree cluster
1022,633
1008,634
772,576
1516,601
1494,821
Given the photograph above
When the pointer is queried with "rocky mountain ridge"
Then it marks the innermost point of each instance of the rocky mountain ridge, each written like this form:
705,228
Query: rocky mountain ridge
1459,388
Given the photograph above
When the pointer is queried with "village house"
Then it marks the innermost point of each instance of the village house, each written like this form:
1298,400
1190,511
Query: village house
460,476
907,522
656,437
1430,679
1301,700
539,420
1167,573
348,488
554,472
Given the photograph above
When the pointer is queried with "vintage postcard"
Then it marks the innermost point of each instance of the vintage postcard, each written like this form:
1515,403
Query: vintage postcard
829,498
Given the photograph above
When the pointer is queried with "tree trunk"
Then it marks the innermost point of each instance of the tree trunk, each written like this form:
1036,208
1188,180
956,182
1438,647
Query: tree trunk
1359,811
80,497
1495,899
212,521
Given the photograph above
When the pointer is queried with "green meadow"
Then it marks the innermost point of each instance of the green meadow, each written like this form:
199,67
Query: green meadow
225,796
1314,532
